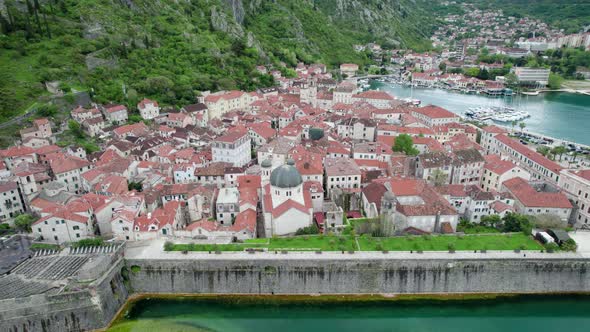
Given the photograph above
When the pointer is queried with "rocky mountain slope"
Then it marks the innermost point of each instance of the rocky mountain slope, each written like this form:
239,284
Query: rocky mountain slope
123,50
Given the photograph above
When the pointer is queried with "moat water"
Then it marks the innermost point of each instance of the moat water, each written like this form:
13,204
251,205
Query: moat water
560,115
518,314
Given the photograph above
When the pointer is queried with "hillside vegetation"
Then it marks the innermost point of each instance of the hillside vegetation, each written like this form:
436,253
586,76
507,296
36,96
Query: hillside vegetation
123,50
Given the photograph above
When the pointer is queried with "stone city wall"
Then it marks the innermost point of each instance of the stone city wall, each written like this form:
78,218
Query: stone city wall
354,276
82,310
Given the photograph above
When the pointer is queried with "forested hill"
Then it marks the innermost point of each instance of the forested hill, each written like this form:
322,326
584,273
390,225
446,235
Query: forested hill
123,50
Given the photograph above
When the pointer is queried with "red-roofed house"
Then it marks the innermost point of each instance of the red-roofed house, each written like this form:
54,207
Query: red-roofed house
540,167
161,222
148,109
261,133
63,226
222,102
379,99
67,170
434,115
137,129
115,113
41,129
179,120
496,171
349,69
233,147
528,200
17,154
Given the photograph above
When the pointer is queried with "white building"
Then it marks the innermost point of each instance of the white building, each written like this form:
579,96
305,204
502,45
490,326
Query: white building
342,173
63,226
227,206
576,185
233,147
532,76
434,115
148,109
11,201
496,171
222,102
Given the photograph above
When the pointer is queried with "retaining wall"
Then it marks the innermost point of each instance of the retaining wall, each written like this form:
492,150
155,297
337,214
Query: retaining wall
354,276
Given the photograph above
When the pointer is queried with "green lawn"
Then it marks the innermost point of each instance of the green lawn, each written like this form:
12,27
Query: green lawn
298,243
346,243
477,229
441,243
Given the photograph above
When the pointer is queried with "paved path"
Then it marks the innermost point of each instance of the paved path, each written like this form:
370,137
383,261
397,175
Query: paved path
582,238
153,249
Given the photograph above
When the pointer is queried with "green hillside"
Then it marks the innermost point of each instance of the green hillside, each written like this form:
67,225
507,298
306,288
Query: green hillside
123,50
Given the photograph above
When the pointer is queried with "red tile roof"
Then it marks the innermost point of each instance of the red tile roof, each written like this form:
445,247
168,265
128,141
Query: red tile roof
529,197
373,94
530,154
496,165
435,112
116,108
142,104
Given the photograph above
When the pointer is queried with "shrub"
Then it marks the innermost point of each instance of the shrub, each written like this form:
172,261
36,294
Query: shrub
313,229
168,246
94,242
551,247
379,247
451,246
569,245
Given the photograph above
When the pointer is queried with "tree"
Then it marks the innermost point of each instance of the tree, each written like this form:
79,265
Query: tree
514,222
492,220
544,150
442,66
559,151
511,80
439,177
555,81
23,222
473,72
522,125
404,143
75,129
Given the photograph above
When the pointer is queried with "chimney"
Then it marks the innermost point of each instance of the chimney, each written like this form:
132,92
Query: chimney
149,215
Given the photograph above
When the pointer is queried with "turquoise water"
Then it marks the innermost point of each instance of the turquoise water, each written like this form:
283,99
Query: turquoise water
560,115
537,313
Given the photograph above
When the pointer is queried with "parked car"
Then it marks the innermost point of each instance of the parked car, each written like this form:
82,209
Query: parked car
544,237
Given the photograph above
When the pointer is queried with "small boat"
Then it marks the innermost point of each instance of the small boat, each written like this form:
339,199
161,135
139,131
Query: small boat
530,93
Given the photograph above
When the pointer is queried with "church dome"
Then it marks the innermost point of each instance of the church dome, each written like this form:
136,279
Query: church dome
286,176
266,163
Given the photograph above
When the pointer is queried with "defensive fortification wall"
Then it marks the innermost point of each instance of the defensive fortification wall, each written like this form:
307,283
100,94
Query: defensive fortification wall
310,273
323,275
91,308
